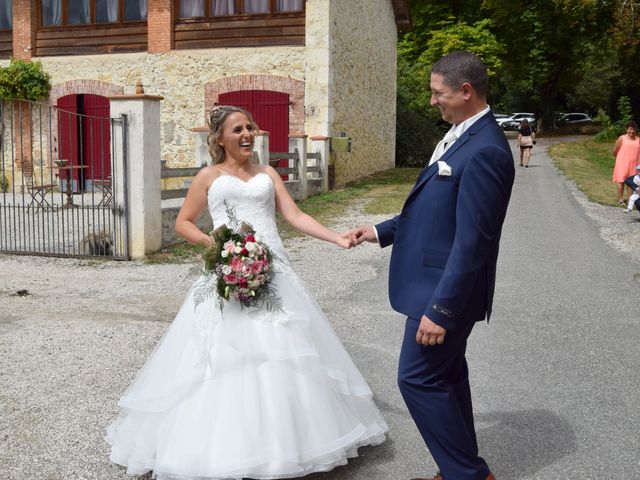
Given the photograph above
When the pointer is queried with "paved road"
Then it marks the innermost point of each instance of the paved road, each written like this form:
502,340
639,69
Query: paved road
555,375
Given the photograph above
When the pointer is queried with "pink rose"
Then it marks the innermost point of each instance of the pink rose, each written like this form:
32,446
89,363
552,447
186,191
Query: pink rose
236,264
230,279
229,246
256,267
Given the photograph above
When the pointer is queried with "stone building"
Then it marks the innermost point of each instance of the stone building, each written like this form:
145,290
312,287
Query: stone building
312,67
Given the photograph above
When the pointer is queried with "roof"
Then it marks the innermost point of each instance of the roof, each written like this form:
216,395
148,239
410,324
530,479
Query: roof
403,13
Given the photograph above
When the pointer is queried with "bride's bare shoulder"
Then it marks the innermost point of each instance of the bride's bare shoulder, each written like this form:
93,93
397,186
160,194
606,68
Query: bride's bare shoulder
207,175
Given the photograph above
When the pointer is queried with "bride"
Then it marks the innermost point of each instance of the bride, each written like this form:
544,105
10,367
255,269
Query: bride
232,393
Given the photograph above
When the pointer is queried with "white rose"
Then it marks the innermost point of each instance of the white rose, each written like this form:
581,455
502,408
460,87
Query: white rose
224,254
226,269
237,249
250,246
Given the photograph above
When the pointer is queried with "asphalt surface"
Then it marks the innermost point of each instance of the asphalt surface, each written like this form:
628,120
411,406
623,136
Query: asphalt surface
555,374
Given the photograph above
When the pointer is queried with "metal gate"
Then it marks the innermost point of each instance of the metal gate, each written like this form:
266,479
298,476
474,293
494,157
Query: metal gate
62,182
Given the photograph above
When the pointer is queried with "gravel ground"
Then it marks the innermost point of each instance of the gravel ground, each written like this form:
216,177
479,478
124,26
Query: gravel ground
71,346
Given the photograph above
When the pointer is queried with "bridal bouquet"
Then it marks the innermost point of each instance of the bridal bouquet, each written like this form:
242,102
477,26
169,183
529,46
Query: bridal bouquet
238,267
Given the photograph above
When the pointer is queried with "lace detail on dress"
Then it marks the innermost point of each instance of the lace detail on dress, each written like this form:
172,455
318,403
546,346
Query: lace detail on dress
254,202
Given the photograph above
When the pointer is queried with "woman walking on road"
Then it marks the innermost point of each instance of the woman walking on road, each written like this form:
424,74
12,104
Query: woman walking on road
626,151
526,139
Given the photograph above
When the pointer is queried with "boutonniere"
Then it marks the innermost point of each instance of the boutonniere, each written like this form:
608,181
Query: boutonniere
444,169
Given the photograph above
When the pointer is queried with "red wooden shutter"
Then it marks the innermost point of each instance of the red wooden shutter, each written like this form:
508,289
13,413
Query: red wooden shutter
96,137
68,144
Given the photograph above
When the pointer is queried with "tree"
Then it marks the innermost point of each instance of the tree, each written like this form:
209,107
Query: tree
549,42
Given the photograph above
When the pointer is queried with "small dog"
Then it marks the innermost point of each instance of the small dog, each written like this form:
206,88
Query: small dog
100,244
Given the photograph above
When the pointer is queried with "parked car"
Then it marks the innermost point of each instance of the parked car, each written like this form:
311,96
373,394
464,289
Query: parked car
513,121
574,118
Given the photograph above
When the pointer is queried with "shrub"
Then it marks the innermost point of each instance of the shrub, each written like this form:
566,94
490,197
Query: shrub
4,184
416,136
23,80
612,130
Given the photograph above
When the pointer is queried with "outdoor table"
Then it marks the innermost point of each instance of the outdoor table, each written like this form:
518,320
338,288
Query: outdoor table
62,165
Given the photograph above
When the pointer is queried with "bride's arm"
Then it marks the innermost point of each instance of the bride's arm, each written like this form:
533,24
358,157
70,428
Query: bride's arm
194,203
300,220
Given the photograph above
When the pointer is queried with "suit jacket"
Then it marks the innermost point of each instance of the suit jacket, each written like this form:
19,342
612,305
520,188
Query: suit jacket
445,240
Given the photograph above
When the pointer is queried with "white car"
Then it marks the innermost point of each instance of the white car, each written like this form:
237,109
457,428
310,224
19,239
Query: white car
573,118
513,121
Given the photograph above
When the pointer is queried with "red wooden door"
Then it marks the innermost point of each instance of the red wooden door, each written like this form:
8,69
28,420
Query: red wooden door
270,110
96,152
68,141
84,138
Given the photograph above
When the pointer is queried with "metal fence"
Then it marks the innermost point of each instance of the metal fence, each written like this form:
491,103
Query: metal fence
61,192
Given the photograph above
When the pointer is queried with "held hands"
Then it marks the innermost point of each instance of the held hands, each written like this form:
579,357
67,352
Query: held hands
364,233
430,333
357,236
346,240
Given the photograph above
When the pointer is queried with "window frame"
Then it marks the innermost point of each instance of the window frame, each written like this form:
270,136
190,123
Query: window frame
64,10
239,4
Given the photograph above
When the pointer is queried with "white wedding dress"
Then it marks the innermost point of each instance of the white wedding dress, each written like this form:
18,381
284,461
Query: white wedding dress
246,393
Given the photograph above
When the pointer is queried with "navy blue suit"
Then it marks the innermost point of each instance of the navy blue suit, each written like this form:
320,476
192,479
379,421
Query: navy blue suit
443,265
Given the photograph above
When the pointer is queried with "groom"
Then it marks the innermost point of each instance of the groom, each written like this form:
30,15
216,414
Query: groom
443,264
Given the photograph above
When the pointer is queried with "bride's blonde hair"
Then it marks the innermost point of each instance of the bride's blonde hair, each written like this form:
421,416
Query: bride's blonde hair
215,121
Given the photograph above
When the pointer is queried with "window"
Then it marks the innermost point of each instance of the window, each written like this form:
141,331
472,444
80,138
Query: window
6,15
219,8
86,12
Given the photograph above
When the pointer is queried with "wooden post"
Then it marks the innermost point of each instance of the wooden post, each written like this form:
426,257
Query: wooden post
299,143
320,144
261,148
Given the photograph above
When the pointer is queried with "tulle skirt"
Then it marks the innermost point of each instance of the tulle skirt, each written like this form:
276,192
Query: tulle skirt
245,393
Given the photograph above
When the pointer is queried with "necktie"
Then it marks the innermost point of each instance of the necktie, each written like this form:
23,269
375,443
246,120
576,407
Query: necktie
442,145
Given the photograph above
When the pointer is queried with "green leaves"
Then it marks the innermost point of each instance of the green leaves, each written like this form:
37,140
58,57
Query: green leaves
23,80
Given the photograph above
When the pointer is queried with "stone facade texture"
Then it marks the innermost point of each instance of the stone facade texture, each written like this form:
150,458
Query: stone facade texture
363,85
181,77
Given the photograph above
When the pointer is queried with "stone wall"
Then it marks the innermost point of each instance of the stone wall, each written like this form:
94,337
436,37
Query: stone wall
363,85
179,76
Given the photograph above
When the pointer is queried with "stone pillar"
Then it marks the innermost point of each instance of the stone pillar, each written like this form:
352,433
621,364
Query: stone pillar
160,14
299,143
320,144
24,29
202,155
261,148
142,165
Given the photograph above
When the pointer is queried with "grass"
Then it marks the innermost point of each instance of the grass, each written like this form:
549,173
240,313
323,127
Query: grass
381,193
590,165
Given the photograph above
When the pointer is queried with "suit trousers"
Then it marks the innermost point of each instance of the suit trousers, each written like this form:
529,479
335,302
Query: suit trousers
434,382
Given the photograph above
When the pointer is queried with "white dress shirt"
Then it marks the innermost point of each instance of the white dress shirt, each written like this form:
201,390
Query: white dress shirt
454,133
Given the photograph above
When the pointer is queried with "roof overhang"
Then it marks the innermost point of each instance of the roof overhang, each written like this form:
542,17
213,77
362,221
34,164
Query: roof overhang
403,14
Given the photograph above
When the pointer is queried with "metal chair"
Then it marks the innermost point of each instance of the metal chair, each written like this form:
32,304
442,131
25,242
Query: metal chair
105,186
38,193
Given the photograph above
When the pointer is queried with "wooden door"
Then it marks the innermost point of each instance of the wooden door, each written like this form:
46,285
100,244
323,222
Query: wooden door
84,138
96,138
270,110
68,139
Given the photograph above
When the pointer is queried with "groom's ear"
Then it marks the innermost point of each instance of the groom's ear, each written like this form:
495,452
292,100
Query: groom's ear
467,90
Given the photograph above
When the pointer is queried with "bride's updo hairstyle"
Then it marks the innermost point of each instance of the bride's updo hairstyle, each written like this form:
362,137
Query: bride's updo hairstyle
216,120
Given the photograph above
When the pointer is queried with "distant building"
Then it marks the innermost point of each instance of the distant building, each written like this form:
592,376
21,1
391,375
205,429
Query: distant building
317,67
